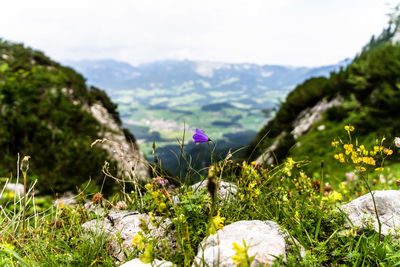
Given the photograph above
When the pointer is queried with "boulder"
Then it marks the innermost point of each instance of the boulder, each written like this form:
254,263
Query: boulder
226,190
66,199
96,208
265,240
18,189
361,210
155,263
123,226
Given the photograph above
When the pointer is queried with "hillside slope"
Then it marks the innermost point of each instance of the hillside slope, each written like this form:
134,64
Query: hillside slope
49,113
366,94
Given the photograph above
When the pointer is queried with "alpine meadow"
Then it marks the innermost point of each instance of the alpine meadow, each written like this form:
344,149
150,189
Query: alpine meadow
200,163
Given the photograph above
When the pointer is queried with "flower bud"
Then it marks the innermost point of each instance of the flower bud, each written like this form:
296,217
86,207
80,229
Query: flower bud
25,164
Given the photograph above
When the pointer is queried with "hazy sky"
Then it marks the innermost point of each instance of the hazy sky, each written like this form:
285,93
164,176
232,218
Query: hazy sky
289,32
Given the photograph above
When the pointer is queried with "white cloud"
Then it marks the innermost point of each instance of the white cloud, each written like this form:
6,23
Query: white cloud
294,32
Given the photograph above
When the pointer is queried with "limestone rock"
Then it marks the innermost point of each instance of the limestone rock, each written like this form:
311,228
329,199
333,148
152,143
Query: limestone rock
123,226
226,190
268,155
361,210
309,116
18,189
66,199
96,208
264,238
155,263
131,161
303,123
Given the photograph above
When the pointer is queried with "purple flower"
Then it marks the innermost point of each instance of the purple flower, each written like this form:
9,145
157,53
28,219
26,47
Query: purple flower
200,137
160,181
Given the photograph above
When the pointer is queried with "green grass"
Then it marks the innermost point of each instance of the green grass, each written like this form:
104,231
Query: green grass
286,194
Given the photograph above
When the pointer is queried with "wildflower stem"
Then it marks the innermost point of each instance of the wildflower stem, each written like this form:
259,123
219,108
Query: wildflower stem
24,215
322,179
376,210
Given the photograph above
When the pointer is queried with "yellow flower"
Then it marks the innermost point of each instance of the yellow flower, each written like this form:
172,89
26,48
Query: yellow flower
339,157
335,143
349,128
162,207
379,169
138,241
149,187
387,151
241,258
217,222
360,168
148,255
368,160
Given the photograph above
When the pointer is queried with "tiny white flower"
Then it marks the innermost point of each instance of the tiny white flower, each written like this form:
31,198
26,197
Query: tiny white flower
397,141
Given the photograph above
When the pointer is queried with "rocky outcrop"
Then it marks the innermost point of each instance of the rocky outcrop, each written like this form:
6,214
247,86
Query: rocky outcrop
264,239
300,125
121,227
268,155
309,116
131,161
361,211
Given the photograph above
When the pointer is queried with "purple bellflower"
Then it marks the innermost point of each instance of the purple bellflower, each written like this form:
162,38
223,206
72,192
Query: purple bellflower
200,137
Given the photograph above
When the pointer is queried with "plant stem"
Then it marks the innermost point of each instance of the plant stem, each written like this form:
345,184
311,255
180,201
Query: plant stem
24,216
376,210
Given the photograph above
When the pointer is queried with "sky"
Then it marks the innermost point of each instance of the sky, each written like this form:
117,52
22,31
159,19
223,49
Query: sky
284,32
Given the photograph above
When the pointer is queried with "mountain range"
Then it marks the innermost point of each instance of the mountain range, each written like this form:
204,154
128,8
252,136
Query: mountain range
158,100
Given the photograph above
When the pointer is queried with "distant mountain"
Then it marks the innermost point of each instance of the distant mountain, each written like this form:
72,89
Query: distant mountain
157,100
249,80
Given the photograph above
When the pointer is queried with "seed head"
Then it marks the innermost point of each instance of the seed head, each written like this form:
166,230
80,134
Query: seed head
97,198
25,164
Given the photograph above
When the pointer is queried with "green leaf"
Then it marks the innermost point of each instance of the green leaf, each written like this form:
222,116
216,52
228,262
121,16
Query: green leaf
3,67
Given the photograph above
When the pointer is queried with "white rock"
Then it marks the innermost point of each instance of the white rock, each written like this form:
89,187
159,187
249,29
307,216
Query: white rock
96,208
123,226
226,190
301,125
67,199
309,116
264,238
155,263
268,155
361,210
131,161
18,189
